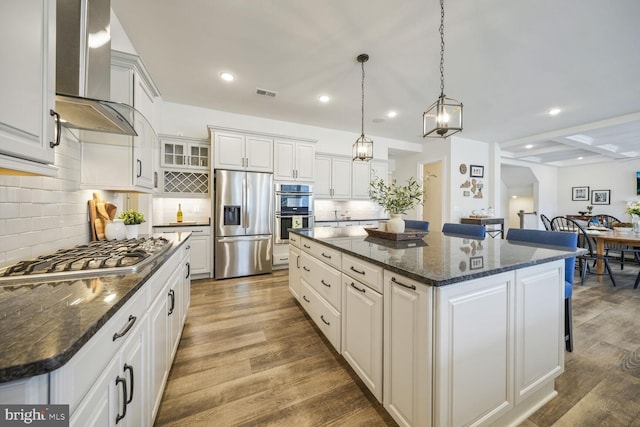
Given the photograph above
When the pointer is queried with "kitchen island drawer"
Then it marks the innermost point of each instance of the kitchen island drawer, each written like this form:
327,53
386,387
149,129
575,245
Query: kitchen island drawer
324,316
324,279
365,272
71,382
322,252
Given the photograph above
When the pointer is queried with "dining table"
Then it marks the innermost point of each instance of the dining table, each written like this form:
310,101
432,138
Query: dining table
602,237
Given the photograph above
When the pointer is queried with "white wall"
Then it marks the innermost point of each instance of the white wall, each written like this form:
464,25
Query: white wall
618,176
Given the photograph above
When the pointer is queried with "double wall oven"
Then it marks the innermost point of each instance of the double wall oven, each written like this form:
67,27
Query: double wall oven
294,209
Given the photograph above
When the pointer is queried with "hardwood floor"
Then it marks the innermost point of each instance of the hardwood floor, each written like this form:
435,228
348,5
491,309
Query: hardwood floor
249,356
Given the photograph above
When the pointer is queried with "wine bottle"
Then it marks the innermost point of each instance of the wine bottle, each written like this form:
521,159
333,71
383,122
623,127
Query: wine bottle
179,216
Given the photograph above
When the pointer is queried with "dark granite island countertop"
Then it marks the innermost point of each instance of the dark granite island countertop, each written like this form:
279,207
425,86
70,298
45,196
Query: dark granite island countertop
437,259
44,323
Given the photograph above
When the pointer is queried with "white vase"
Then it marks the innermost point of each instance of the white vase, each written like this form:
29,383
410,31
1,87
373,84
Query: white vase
395,224
635,220
115,230
132,231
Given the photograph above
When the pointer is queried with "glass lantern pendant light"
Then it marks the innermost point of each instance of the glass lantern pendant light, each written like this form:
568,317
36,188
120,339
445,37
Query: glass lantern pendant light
363,147
444,117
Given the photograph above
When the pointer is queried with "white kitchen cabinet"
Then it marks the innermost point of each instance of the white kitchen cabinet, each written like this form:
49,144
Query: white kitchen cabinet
294,160
539,326
469,315
323,278
280,255
27,81
326,224
333,177
184,152
379,169
118,162
408,334
242,152
118,396
294,271
201,247
33,390
362,309
369,224
360,179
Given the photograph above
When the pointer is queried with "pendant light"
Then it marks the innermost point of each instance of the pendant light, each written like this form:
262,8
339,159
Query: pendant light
363,147
444,117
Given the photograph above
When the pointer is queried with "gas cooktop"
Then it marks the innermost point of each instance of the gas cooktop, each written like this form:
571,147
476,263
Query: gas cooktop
100,257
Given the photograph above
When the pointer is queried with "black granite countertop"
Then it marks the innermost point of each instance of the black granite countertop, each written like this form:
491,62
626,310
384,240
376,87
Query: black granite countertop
437,259
184,224
44,323
350,219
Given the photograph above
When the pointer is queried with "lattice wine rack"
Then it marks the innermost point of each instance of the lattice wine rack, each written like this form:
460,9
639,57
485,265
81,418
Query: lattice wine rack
186,182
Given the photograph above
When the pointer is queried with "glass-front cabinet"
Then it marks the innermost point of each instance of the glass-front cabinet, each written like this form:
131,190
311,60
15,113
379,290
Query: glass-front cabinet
183,152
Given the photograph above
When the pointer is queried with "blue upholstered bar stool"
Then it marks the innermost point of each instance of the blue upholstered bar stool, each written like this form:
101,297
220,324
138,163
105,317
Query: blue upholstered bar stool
563,239
416,225
466,230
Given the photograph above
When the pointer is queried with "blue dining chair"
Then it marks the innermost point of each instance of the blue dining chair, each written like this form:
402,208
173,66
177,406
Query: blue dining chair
416,225
562,239
465,230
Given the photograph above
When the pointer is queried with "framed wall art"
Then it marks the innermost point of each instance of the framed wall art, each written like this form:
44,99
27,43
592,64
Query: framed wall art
601,197
476,171
580,193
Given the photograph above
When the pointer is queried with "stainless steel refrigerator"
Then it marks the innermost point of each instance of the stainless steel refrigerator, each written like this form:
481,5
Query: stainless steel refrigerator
243,217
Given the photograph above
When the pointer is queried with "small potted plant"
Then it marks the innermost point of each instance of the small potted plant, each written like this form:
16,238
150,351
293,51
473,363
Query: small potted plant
633,209
396,199
132,218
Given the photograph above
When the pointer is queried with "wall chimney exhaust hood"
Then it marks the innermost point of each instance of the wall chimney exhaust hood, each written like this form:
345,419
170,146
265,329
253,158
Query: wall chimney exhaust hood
83,70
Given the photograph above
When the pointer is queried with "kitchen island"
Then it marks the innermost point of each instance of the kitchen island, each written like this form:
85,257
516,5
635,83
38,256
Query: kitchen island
444,331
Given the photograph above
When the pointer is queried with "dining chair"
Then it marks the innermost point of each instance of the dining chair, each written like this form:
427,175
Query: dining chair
466,230
564,240
561,223
607,221
546,222
416,225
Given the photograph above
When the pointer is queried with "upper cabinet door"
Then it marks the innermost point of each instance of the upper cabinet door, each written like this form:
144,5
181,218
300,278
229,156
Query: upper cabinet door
305,159
285,158
229,151
259,153
27,84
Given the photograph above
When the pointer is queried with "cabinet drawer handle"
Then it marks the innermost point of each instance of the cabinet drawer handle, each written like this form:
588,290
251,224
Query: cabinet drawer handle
188,270
326,256
139,168
307,247
325,322
124,398
357,271
130,369
393,279
304,297
58,128
172,294
353,285
298,261
328,285
127,327
304,267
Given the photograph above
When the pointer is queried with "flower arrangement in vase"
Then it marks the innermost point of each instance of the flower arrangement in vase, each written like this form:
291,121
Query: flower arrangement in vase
132,218
396,199
633,209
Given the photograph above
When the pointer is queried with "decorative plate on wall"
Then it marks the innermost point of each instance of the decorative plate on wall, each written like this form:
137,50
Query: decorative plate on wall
463,168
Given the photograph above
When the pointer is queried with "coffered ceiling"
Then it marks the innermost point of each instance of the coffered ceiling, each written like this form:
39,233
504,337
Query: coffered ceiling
509,62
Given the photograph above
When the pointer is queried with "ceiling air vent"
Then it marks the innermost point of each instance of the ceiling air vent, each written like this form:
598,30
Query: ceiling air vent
266,92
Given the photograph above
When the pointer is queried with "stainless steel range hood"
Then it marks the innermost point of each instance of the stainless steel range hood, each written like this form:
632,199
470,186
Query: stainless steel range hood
83,69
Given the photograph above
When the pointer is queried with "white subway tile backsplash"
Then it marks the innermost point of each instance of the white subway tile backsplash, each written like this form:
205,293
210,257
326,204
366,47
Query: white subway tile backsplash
39,215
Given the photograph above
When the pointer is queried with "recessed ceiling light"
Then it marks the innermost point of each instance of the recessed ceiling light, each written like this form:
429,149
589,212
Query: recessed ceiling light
554,111
227,76
580,158
514,197
392,114
528,146
324,98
